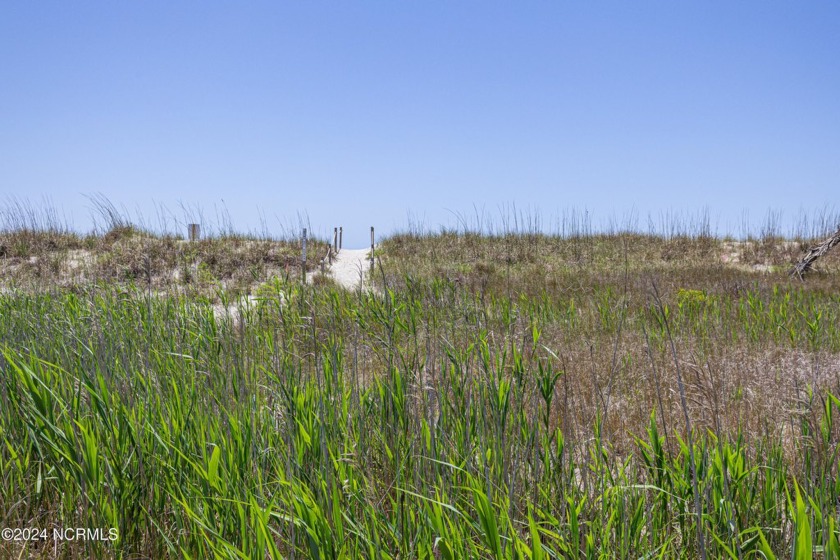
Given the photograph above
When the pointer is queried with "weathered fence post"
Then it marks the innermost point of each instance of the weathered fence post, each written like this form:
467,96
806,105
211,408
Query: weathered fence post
340,237
194,231
335,240
303,258
371,248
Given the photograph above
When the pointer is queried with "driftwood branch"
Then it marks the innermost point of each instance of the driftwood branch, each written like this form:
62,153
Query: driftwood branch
815,252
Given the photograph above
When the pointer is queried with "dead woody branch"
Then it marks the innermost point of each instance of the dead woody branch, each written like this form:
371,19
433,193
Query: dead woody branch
815,252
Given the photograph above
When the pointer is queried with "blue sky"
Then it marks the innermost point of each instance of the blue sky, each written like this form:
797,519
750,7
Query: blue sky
361,113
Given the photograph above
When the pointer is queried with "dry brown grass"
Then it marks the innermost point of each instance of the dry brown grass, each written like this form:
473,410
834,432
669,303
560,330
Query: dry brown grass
739,383
124,254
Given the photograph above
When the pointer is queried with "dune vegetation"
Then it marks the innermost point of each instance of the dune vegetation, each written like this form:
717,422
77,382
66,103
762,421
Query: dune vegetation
487,394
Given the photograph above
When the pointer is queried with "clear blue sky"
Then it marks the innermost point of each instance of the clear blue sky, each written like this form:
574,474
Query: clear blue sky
362,112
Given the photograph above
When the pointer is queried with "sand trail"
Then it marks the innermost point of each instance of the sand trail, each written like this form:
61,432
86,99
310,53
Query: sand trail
351,267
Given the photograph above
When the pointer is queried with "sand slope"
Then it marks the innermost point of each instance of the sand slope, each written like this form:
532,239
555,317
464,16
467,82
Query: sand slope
351,267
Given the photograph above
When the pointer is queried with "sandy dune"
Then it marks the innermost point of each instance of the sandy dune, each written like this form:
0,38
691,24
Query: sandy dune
351,267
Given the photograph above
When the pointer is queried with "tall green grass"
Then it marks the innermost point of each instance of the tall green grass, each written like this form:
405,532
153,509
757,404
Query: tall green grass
430,420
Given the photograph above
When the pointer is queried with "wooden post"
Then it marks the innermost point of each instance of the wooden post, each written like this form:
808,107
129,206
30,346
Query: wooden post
371,248
335,240
303,258
194,231
340,237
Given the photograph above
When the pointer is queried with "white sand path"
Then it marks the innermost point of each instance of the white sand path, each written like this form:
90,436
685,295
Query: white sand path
351,267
